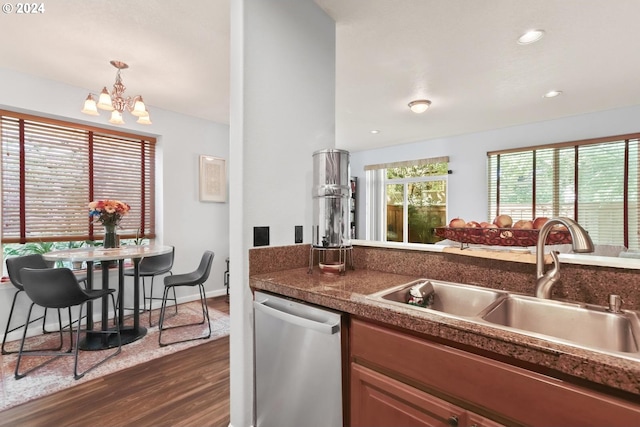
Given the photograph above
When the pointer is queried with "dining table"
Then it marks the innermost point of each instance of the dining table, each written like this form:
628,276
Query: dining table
108,257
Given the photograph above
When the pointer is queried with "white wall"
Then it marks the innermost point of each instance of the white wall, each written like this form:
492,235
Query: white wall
182,221
282,110
288,114
467,196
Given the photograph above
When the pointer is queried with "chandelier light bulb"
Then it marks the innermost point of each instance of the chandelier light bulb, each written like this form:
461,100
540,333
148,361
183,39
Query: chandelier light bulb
419,105
139,109
144,120
116,118
90,106
116,101
104,101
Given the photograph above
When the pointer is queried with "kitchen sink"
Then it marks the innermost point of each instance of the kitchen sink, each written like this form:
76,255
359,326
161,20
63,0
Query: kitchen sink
451,298
585,325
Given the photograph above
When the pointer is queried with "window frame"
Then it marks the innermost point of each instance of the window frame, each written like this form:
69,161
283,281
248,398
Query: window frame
495,175
121,180
376,182
405,198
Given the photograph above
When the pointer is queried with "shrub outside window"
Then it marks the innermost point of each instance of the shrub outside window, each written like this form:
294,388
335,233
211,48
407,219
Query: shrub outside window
594,182
415,200
52,169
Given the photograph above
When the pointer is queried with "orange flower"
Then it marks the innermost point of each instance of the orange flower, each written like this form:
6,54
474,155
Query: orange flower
108,212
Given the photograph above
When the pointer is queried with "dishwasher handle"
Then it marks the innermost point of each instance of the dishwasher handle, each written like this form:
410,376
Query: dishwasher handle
297,319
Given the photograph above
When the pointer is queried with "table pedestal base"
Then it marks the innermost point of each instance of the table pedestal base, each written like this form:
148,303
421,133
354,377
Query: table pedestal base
97,341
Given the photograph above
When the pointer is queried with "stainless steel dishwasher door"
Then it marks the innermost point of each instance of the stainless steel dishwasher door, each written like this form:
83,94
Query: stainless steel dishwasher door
298,364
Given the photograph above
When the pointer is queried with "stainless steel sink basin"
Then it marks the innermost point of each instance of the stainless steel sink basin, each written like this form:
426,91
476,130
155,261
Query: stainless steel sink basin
451,298
583,325
587,326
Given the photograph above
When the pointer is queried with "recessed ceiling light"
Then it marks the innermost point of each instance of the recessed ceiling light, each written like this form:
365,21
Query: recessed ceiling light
552,94
419,105
531,36
374,131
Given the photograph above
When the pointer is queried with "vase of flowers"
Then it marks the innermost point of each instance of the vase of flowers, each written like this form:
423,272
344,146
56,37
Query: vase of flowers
108,213
110,237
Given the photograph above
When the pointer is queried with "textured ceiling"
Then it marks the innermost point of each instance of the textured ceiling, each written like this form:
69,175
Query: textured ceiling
460,54
177,52
463,56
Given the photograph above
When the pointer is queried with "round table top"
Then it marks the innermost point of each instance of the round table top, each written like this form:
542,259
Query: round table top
102,254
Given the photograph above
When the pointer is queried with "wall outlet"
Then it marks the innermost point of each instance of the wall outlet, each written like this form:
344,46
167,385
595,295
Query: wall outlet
298,234
260,236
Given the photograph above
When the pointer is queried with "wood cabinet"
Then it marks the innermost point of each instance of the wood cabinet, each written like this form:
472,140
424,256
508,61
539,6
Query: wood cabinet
380,401
401,379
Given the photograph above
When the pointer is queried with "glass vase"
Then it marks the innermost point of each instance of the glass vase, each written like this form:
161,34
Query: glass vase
110,237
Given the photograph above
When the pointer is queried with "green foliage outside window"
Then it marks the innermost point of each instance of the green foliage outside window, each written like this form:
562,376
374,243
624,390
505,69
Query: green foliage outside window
426,169
592,182
426,201
16,249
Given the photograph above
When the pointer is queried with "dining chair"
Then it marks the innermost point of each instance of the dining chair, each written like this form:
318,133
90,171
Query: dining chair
14,265
58,288
151,267
194,278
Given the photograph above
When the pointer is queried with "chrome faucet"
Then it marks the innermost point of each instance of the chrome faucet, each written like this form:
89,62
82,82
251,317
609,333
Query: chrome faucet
580,241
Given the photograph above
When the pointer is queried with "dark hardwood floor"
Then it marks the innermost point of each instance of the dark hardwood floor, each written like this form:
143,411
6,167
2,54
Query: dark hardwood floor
187,388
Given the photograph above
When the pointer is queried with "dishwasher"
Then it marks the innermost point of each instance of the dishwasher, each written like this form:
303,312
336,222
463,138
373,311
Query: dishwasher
298,364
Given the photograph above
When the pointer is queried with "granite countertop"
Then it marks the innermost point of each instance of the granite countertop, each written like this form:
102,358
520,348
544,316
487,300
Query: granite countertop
349,294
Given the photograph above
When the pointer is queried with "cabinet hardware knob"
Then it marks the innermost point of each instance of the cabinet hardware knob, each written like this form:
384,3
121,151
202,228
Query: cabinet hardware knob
453,421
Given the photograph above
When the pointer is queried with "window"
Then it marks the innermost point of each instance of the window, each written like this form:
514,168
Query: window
406,201
52,169
594,182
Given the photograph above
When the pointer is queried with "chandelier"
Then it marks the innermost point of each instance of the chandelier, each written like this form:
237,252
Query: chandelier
116,101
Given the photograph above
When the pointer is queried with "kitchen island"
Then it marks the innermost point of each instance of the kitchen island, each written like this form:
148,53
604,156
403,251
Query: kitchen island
600,376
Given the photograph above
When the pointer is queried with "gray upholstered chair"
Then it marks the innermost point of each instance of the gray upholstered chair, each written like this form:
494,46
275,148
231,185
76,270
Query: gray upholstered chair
151,267
195,278
58,288
14,265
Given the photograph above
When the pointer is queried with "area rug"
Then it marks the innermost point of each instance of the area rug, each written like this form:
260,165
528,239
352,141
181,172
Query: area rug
58,374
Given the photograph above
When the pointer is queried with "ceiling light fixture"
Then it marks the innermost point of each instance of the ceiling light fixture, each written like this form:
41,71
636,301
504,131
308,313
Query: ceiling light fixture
375,131
116,102
420,105
531,36
552,94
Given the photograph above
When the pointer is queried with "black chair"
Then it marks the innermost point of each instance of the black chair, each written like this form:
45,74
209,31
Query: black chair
81,276
58,288
151,267
195,278
14,265
226,278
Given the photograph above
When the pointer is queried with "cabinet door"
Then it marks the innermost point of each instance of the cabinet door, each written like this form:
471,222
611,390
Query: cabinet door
379,401
509,392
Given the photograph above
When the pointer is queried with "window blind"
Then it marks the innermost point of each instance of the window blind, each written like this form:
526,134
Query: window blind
407,163
594,182
51,170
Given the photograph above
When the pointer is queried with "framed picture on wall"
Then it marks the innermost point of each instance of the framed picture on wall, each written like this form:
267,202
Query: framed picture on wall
213,179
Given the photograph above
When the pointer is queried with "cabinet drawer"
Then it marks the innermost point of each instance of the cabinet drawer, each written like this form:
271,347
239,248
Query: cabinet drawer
380,401
497,388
